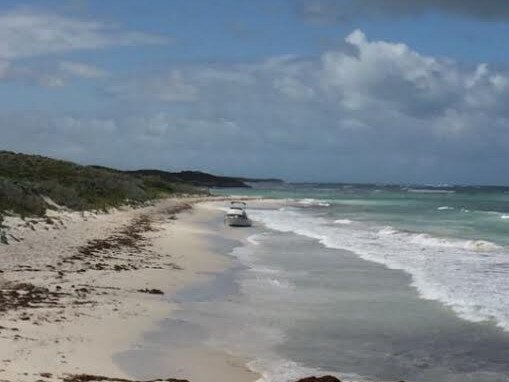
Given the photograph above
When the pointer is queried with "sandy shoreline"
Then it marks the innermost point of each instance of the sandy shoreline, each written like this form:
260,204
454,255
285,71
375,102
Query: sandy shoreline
77,289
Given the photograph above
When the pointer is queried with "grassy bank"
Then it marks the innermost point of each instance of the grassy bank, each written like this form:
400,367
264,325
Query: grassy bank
29,184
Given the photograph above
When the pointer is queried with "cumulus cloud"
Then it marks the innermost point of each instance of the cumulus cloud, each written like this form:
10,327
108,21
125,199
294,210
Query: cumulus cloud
374,111
343,10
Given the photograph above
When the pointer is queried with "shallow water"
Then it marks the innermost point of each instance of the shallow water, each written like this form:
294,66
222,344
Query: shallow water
366,320
302,309
399,306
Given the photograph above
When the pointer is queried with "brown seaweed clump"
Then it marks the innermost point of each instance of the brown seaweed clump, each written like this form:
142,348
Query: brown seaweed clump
100,378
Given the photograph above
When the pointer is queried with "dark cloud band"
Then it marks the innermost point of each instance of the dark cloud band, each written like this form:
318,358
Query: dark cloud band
343,10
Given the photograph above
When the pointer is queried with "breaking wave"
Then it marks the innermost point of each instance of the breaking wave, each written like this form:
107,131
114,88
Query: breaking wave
426,240
450,270
313,202
343,221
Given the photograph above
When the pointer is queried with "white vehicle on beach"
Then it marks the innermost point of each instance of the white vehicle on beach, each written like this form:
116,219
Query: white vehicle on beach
236,215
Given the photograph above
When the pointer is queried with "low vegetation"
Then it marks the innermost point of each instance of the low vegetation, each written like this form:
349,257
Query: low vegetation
29,184
3,237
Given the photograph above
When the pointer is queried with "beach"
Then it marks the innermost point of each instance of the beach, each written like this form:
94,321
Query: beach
79,288
254,191
169,291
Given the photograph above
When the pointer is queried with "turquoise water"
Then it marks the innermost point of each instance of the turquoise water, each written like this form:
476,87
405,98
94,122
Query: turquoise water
426,300
453,241
368,283
474,213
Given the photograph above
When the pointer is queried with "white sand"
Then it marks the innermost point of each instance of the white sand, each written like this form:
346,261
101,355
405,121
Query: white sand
87,327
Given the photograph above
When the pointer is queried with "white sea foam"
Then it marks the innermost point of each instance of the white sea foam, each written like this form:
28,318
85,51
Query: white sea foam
426,240
481,246
313,202
445,208
430,191
265,278
264,270
343,221
264,284
388,230
253,239
470,276
274,282
504,217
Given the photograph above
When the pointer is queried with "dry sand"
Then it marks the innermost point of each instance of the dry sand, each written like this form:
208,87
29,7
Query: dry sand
79,288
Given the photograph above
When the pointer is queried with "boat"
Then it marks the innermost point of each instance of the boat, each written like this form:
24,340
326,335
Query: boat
236,215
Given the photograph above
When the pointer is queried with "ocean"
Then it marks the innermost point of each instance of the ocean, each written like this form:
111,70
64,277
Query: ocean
368,283
387,282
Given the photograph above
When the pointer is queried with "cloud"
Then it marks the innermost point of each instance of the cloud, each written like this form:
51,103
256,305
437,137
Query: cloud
383,74
293,88
4,69
79,69
49,80
50,75
169,87
27,33
373,111
343,10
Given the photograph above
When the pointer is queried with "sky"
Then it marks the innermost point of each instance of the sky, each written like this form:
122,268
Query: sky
388,91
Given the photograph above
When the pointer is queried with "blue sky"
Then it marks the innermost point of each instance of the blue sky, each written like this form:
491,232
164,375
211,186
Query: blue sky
317,90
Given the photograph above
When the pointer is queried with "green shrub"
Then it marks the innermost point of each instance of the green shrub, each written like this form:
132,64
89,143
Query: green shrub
3,236
25,179
20,197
